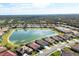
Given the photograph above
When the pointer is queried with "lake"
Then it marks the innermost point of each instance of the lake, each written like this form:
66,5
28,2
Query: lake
24,36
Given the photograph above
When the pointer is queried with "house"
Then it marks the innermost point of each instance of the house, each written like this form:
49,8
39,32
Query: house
5,29
5,52
75,47
60,39
60,36
76,33
34,46
67,37
49,40
55,38
1,33
42,42
63,37
68,52
24,49
64,30
2,49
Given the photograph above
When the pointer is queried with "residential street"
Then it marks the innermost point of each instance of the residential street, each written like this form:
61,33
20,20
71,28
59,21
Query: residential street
47,52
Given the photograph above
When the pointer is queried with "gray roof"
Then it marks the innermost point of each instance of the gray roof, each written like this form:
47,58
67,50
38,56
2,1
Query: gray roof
42,42
49,40
69,52
23,49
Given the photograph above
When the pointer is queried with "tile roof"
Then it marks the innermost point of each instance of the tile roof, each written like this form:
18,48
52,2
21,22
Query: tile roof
7,53
34,45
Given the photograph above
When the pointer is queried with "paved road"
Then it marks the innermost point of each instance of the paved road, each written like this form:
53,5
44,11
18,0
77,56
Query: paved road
47,52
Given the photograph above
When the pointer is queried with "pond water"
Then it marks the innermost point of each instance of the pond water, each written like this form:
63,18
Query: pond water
25,36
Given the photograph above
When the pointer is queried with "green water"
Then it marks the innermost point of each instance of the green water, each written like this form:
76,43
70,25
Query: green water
25,36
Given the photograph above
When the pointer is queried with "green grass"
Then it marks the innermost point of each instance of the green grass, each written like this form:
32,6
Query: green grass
34,28
76,38
56,53
5,40
33,53
66,49
0,42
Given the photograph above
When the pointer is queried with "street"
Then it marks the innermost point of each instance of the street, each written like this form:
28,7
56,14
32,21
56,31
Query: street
47,52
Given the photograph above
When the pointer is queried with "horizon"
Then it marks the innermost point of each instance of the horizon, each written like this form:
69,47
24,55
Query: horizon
37,14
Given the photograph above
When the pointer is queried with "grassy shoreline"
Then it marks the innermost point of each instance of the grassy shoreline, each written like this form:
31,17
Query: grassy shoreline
5,39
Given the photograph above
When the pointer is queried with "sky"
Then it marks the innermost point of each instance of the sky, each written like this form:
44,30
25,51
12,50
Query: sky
38,8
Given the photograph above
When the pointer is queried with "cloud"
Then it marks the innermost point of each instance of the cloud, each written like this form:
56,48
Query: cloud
38,8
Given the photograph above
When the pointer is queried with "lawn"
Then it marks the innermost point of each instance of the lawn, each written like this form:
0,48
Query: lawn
56,53
5,39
